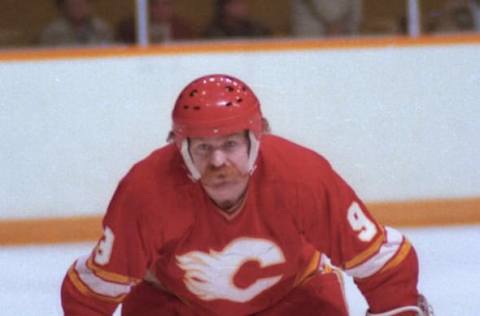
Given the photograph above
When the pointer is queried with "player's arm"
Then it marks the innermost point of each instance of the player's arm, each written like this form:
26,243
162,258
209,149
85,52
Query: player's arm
381,260
95,284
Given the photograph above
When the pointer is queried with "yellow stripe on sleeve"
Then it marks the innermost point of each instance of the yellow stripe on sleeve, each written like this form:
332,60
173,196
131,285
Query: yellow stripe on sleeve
85,290
363,256
111,276
399,256
311,268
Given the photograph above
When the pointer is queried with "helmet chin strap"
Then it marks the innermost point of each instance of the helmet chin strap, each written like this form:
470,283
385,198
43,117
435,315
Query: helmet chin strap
253,154
195,175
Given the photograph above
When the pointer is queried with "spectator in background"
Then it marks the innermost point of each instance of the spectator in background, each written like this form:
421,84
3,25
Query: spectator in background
475,9
232,19
164,24
325,18
76,26
385,26
455,16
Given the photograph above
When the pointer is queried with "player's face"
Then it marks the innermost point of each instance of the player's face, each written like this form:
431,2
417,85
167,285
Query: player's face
77,10
223,163
161,10
237,9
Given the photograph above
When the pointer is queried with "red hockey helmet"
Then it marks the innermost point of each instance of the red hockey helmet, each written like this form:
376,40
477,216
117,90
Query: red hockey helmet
215,105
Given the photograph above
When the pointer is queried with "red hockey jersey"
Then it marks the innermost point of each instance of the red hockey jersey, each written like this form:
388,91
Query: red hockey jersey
298,213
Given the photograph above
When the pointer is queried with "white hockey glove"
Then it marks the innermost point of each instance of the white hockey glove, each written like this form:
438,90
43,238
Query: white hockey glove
422,309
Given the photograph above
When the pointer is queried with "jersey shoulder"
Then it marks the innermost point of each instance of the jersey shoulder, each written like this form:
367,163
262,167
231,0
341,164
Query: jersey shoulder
293,160
163,164
152,182
155,192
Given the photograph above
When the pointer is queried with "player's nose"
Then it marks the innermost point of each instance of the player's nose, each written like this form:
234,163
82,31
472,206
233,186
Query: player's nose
218,158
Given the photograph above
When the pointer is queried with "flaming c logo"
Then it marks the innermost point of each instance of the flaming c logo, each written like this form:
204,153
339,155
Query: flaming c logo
210,276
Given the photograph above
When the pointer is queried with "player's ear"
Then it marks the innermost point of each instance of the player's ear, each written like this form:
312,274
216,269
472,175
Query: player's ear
171,137
265,126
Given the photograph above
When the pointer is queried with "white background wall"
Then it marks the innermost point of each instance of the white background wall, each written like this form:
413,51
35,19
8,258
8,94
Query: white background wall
397,123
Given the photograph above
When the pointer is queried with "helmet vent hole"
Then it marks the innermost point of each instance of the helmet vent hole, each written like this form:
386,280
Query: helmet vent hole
239,100
244,88
186,107
193,93
196,107
229,88
228,104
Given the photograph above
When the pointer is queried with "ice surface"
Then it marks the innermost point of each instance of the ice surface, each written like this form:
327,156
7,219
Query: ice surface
30,276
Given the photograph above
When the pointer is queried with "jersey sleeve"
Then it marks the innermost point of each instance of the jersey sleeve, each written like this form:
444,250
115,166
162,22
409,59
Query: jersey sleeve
96,283
381,260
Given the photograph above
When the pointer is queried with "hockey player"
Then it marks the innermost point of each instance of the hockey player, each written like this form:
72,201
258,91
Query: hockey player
230,220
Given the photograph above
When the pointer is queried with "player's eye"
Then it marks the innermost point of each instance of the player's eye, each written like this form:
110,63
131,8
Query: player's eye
230,145
203,149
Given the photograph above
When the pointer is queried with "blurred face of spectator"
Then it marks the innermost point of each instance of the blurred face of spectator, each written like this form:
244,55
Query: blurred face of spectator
463,19
161,10
77,10
237,9
458,16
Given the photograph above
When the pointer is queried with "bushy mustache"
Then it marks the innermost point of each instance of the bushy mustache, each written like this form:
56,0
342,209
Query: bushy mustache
214,174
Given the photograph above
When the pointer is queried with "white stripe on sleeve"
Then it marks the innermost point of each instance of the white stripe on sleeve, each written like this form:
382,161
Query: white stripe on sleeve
97,284
393,241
